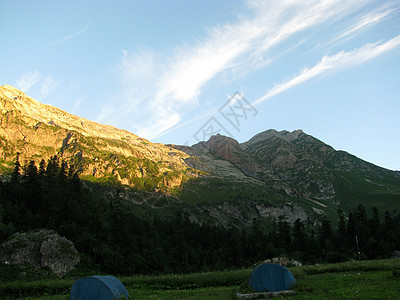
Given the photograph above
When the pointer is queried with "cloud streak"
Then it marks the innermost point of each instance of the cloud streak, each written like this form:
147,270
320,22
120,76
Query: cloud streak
331,64
243,45
36,84
27,80
368,20
48,86
169,86
71,36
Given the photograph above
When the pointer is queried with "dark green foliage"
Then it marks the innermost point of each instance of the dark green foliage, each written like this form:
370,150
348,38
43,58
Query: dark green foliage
112,235
16,174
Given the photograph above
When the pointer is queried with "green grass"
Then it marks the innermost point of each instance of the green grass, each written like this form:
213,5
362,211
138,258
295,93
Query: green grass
351,280
201,293
352,189
349,285
213,191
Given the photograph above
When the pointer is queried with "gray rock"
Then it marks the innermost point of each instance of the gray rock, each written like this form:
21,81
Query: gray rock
44,248
396,254
284,261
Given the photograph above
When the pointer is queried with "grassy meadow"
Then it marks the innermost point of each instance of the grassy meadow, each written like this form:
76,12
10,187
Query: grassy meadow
378,279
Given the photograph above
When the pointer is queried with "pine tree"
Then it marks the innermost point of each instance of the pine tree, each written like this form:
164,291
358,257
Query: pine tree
351,231
375,224
63,172
42,168
284,233
53,167
341,238
74,179
299,236
31,171
326,235
17,189
118,224
180,250
362,227
236,248
33,191
16,174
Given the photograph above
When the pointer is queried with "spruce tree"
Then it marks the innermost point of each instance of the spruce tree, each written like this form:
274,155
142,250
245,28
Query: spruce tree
16,174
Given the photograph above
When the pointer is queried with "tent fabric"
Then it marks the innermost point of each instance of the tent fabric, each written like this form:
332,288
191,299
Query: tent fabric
271,278
98,287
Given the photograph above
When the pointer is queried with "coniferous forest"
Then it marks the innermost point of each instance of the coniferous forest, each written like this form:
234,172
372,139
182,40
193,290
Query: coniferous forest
112,238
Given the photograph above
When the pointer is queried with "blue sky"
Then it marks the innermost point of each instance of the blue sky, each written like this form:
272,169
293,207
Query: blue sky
179,71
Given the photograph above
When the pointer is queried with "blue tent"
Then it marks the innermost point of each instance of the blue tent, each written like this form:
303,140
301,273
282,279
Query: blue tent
271,278
98,287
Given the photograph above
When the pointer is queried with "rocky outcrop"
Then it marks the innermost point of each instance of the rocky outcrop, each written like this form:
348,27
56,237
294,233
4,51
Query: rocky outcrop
226,148
44,248
227,211
283,261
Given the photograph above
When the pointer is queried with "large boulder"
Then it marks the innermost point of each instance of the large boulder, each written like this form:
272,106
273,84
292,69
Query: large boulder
43,248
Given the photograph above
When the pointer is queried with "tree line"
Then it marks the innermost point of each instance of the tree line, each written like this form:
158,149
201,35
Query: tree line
112,238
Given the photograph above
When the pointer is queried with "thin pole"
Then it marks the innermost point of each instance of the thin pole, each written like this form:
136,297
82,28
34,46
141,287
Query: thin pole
358,249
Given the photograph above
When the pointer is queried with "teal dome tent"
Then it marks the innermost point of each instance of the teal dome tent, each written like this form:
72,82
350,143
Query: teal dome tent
271,278
99,288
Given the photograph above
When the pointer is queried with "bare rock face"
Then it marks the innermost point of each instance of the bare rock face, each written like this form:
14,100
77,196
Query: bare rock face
226,148
44,248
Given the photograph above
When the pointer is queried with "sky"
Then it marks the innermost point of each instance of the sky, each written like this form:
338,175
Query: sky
177,72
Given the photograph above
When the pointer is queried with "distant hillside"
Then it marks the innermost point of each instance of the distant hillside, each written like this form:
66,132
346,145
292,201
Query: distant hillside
219,180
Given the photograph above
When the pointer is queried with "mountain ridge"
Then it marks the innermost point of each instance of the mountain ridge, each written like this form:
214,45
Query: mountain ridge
274,172
54,116
39,131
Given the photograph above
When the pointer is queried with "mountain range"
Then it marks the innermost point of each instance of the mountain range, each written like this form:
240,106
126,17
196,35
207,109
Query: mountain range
275,173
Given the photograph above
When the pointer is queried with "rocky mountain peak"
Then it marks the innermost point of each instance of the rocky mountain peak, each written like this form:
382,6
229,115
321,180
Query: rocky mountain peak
213,145
10,91
226,148
15,100
272,133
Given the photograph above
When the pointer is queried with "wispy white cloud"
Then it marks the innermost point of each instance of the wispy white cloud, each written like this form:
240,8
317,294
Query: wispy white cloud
77,105
162,88
27,80
139,71
367,20
334,63
71,36
243,45
48,86
106,112
165,119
